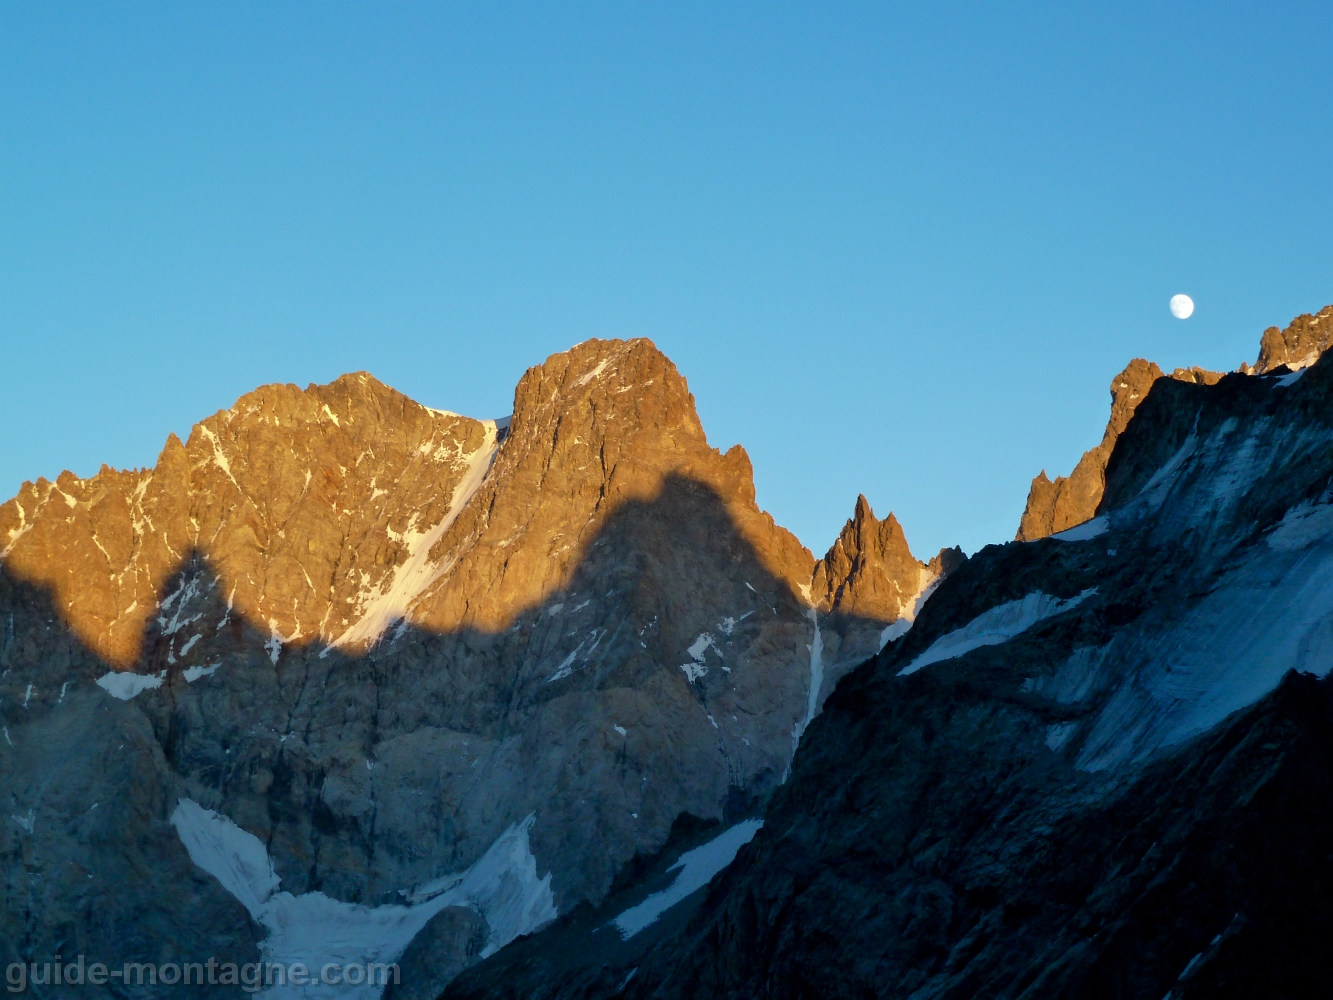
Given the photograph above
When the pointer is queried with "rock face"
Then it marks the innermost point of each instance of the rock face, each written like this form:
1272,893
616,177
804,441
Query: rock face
1296,347
304,502
438,679
1098,765
1054,506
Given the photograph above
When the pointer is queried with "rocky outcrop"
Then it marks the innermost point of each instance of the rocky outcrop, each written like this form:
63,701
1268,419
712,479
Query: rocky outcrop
401,656
869,570
1054,506
1298,346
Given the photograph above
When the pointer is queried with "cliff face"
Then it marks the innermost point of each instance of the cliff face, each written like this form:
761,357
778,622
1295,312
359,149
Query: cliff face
395,657
1296,347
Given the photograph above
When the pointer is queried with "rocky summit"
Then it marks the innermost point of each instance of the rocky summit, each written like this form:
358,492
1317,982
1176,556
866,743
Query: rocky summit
547,707
345,678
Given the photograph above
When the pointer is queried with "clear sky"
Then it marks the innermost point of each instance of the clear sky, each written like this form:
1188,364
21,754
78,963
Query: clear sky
898,250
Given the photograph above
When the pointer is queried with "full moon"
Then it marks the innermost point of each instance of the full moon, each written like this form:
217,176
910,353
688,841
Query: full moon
1182,306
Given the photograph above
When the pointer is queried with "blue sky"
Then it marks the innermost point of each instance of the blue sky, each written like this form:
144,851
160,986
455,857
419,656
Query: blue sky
898,250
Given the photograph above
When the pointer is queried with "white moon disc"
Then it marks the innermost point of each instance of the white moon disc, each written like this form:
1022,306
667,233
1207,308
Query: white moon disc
1182,306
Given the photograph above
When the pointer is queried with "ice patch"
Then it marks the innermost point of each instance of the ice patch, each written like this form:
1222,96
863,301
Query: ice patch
697,869
696,668
1291,379
999,624
1302,526
314,928
1085,531
125,685
927,584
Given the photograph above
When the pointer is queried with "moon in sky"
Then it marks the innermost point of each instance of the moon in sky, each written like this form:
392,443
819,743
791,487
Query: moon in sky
1182,306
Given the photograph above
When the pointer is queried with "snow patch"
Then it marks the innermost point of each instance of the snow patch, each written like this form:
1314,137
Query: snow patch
728,625
697,668
1291,379
1057,735
567,664
1085,531
193,674
314,928
816,648
1272,614
125,685
595,373
697,868
999,624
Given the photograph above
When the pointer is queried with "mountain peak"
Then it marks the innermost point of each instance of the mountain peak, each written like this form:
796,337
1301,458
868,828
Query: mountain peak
869,570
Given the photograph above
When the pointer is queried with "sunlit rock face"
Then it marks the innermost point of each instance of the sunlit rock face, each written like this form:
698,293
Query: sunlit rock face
399,660
1298,346
303,502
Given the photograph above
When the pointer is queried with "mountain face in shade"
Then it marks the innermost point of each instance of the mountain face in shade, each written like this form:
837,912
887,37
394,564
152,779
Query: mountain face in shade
1099,764
341,660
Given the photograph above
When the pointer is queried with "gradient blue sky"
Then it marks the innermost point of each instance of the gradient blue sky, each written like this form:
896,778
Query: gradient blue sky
898,250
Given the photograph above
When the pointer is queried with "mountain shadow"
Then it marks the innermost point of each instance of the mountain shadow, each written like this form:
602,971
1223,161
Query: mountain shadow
668,674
